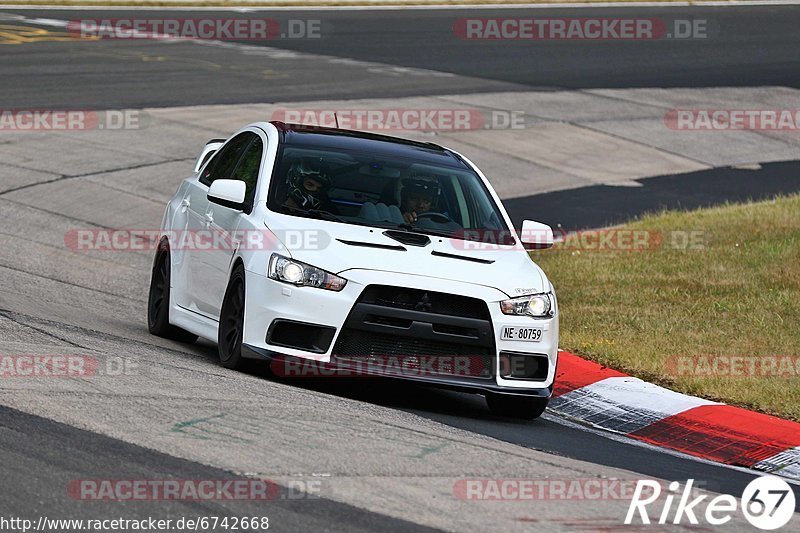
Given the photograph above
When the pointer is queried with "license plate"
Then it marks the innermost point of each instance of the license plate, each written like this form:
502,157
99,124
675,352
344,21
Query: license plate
512,333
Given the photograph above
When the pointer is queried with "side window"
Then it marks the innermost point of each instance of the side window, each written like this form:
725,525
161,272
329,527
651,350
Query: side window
221,167
248,168
208,156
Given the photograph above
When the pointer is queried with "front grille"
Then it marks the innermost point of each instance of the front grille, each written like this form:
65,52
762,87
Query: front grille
428,301
395,352
401,329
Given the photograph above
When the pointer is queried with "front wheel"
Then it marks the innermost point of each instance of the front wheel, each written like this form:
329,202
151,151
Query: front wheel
512,406
158,301
231,321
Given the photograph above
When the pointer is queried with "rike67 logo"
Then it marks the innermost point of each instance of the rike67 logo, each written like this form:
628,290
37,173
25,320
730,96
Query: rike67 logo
767,502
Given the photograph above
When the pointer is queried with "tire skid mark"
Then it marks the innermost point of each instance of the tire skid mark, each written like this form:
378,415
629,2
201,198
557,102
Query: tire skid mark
95,173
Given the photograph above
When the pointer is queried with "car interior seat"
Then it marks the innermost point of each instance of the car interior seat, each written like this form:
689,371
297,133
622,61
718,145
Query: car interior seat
381,212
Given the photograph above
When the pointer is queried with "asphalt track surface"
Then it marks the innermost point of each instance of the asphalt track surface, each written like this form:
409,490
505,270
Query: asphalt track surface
40,454
745,46
599,206
751,46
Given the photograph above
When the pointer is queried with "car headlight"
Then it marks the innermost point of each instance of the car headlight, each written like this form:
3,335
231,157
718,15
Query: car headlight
535,305
288,270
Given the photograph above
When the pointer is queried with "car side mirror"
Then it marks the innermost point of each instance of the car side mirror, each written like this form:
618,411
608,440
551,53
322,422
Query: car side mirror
535,235
228,193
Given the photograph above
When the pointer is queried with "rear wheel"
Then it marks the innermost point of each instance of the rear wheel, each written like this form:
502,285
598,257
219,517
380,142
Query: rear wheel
511,406
158,300
231,321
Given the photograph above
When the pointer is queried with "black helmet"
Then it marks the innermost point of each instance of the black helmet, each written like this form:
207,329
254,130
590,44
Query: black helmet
307,168
420,185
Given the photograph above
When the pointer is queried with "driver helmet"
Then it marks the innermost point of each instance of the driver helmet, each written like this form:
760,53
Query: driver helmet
308,182
419,186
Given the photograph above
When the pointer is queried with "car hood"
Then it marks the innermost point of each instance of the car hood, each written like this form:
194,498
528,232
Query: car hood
338,247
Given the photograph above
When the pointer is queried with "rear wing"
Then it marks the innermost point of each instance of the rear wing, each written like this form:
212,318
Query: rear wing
209,149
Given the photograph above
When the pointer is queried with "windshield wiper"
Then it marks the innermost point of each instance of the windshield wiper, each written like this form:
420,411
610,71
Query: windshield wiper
319,213
414,229
326,214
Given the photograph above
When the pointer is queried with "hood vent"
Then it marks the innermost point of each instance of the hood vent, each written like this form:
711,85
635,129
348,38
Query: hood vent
396,247
463,257
412,239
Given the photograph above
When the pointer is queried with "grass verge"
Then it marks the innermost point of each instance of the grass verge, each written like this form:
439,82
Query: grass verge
707,303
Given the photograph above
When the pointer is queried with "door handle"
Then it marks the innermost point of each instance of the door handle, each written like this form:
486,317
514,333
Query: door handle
185,203
209,218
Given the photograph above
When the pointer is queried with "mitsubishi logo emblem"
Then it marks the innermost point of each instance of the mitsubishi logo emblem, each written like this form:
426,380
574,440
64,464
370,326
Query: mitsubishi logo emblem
424,303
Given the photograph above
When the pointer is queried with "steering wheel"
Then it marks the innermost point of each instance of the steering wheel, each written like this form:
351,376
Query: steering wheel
439,218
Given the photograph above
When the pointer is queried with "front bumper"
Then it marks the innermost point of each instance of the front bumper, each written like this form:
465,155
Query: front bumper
449,383
477,338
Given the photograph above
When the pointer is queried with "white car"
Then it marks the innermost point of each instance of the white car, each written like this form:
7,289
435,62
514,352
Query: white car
358,253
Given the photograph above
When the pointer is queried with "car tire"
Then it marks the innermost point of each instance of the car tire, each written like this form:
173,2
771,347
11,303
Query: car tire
159,298
231,321
512,406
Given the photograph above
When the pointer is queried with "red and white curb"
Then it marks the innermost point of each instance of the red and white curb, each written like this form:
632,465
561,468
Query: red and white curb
613,401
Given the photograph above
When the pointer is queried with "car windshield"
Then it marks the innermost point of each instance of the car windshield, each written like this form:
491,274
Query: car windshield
386,190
